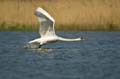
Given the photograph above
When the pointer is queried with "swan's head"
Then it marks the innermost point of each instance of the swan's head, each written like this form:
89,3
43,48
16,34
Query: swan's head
82,39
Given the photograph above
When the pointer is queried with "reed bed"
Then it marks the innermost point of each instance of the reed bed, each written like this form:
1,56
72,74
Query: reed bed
70,15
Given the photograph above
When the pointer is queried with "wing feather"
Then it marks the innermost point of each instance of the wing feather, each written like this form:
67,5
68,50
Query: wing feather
46,23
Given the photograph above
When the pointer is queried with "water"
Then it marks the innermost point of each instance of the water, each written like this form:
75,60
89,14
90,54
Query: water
96,58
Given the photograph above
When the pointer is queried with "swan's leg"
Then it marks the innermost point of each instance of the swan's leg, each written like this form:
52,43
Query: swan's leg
40,46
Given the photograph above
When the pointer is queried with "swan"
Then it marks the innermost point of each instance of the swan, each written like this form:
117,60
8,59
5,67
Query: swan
46,31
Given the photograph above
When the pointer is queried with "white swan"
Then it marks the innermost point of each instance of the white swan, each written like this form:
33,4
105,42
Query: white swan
46,30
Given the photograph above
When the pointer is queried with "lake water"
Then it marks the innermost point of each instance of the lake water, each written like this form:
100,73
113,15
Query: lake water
98,57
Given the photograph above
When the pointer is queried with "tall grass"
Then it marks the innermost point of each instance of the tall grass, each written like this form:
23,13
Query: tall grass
69,14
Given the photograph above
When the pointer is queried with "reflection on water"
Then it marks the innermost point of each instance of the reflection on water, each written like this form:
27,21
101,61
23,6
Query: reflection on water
45,50
96,58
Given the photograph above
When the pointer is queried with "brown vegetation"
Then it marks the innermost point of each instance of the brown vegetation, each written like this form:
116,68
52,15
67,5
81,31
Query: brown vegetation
69,14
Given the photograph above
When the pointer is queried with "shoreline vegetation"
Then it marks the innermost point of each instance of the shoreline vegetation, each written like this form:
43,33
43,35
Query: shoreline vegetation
72,27
77,15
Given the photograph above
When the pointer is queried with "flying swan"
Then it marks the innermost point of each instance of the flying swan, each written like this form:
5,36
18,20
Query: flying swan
46,30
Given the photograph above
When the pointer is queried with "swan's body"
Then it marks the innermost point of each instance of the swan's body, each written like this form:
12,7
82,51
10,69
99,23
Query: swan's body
46,30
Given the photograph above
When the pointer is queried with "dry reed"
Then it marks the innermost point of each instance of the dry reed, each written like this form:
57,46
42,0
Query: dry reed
69,14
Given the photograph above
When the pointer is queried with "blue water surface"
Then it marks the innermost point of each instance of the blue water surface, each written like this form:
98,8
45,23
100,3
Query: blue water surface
98,57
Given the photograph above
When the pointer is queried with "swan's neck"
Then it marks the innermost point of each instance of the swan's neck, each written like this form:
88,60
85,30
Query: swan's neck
66,39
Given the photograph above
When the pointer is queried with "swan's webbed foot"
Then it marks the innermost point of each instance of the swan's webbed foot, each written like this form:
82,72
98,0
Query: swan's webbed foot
40,46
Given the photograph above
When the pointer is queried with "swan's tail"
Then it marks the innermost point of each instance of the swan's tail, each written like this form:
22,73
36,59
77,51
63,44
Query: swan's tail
33,44
66,39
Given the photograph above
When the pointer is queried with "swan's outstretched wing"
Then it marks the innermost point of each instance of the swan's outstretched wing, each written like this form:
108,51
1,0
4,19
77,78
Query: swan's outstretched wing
46,22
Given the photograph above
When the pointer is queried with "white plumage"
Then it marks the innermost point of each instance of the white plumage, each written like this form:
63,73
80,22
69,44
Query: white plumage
46,30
